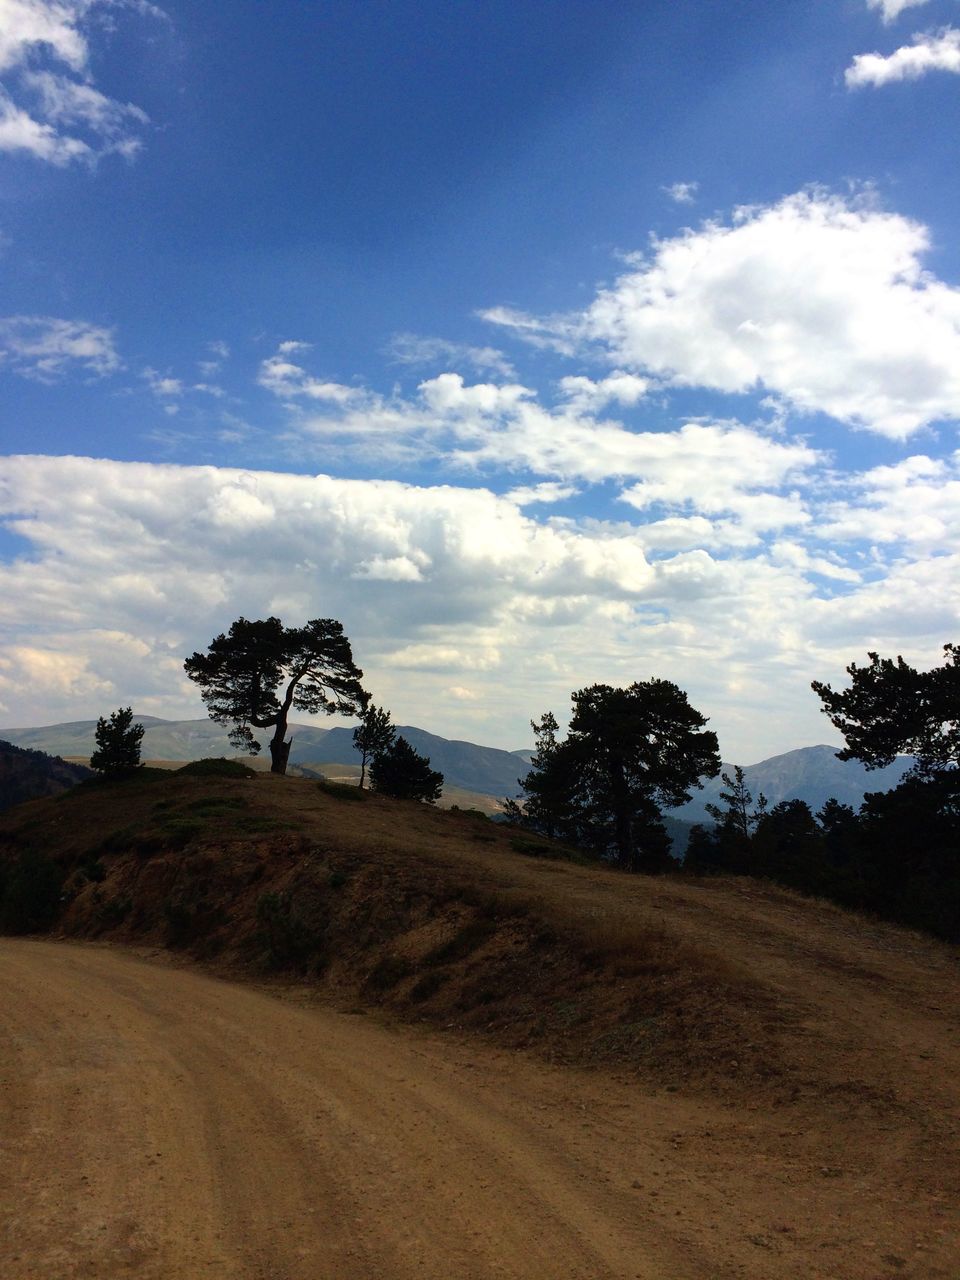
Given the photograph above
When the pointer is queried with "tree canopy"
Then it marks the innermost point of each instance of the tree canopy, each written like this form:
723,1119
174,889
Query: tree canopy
255,674
400,771
628,752
892,709
373,735
118,744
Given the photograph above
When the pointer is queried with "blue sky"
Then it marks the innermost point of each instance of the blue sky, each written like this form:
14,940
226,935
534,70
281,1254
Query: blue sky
538,343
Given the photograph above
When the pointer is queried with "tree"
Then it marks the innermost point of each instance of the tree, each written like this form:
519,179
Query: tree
401,772
241,676
737,816
373,736
118,744
892,709
628,752
727,845
551,785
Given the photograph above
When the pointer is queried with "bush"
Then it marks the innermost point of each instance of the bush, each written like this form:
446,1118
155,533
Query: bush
217,768
30,894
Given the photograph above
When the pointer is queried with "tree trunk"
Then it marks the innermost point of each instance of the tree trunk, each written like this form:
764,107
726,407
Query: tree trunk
279,750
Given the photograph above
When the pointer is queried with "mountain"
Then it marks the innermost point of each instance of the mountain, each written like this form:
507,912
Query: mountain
26,775
813,774
463,764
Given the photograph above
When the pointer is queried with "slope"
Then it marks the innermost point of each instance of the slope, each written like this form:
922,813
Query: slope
774,1085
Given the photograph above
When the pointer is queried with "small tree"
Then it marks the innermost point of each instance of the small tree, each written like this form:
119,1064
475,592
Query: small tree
373,736
401,772
118,744
241,675
737,815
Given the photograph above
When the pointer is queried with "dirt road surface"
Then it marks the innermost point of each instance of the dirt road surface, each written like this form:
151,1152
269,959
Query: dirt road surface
160,1123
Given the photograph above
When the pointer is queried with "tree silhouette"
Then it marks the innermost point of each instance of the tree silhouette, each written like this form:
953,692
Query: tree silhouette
241,675
402,772
118,744
372,736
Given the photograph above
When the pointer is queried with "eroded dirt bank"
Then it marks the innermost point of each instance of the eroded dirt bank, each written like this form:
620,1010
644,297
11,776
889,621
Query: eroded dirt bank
158,1122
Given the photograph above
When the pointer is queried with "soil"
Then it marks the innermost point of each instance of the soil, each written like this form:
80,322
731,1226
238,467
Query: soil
604,1077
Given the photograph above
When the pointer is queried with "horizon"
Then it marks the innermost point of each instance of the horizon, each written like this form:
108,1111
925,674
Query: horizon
343,724
539,354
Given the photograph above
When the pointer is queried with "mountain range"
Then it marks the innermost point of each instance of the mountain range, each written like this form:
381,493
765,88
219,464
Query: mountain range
812,774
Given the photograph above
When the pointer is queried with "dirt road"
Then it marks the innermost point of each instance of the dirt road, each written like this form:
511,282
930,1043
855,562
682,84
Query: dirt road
157,1122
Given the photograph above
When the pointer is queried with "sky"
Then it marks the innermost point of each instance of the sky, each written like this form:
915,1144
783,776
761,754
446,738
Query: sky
541,344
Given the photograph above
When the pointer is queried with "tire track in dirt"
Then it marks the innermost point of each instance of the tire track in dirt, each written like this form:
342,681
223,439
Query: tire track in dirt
172,1125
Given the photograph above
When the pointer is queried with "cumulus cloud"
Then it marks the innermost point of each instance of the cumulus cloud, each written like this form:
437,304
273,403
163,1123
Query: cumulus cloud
891,9
134,565
46,347
59,116
869,337
933,51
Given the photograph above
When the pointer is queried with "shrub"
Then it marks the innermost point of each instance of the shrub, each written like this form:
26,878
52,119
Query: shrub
30,894
217,768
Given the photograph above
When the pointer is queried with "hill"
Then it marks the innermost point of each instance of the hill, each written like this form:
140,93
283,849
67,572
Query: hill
772,1037
26,775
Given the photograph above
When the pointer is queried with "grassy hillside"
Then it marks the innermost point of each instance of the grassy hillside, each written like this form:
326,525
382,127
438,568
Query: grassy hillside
449,918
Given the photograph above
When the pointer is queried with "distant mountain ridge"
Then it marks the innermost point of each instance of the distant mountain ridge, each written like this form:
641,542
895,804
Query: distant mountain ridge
812,774
487,770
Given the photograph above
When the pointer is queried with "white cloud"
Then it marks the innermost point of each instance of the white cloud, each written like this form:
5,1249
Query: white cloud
133,565
162,386
45,347
20,132
411,348
891,9
53,26
682,192
913,503
290,382
36,105
548,491
933,51
585,395
869,337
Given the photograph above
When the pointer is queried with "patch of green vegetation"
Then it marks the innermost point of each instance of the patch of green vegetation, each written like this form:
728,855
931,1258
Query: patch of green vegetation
216,768
535,848
177,833
342,790
217,806
29,893
259,823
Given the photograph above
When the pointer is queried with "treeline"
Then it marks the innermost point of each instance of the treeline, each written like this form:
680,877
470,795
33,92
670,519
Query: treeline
898,857
631,752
